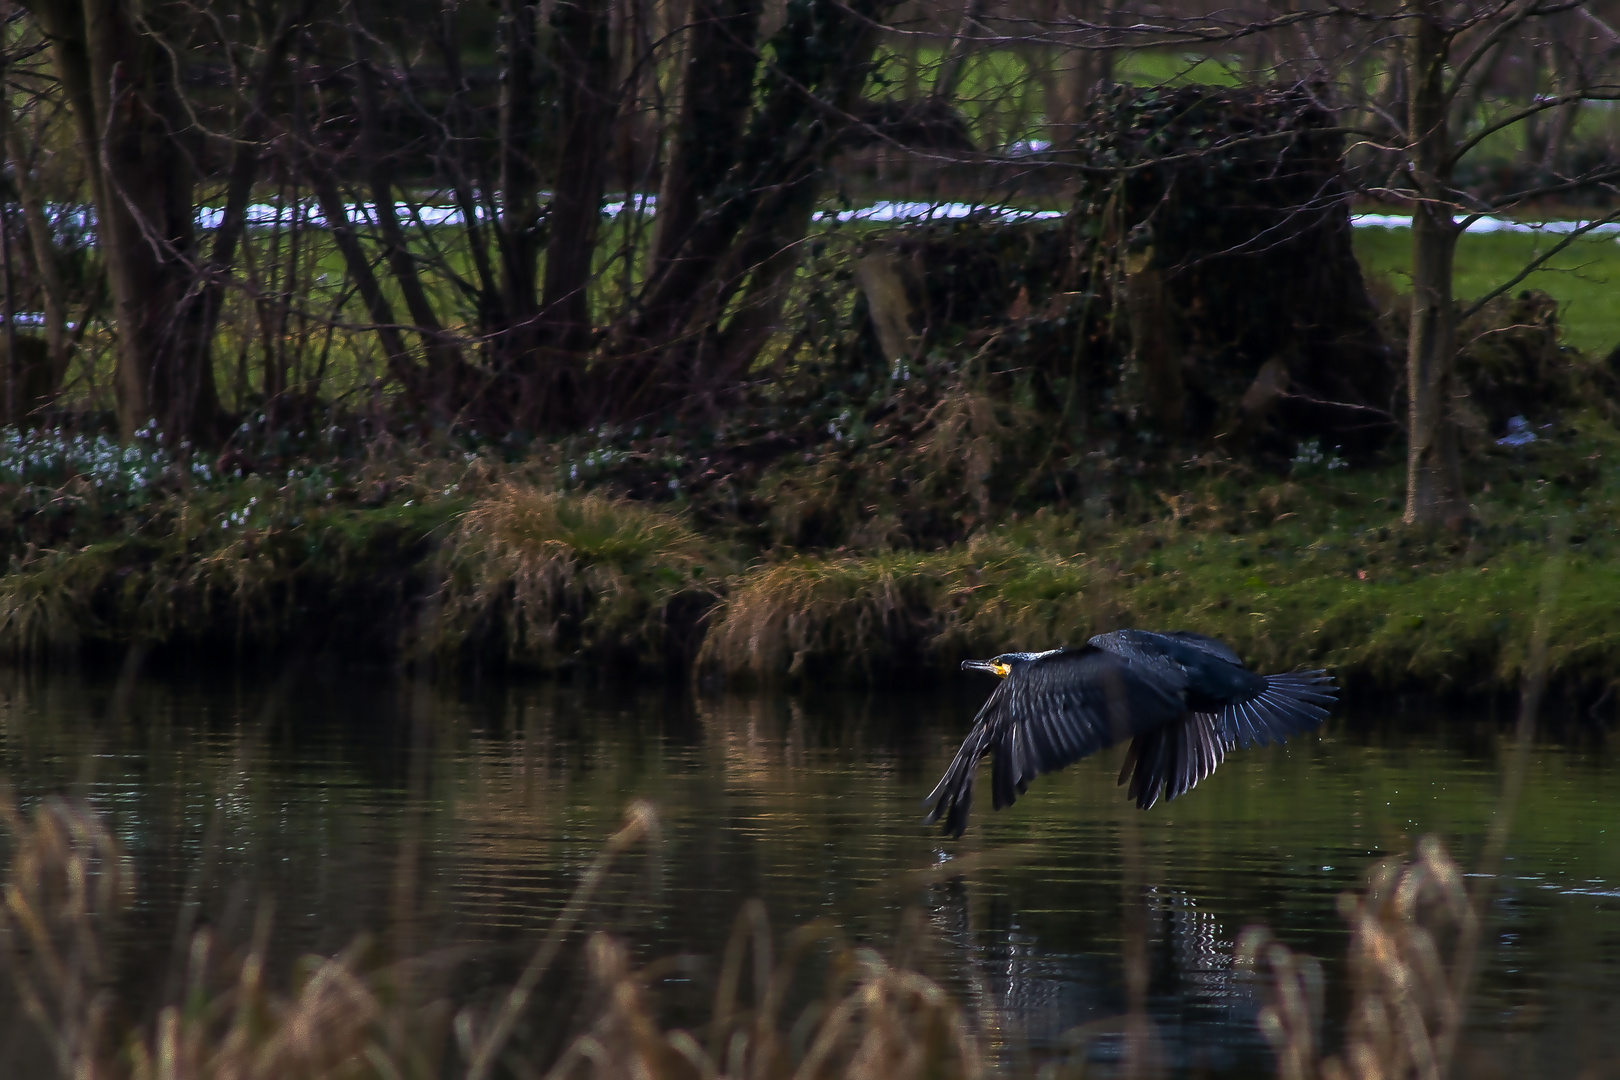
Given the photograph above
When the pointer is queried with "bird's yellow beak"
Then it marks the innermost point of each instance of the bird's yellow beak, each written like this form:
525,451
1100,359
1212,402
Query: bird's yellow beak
986,665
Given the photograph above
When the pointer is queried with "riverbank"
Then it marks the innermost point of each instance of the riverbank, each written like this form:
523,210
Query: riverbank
457,559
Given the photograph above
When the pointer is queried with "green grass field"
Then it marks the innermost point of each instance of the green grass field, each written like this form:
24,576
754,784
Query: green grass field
1585,277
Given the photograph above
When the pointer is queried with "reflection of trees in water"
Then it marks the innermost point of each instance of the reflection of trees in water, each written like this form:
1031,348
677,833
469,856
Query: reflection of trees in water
1025,995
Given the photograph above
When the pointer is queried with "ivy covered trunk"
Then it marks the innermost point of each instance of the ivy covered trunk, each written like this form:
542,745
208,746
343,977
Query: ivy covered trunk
1217,223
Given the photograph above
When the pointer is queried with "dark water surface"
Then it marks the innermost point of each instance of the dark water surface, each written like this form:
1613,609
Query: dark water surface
435,818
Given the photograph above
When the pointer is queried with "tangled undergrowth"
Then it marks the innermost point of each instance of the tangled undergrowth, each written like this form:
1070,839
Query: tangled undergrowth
858,518
1313,569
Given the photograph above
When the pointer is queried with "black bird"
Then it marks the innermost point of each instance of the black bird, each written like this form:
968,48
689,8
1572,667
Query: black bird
1183,700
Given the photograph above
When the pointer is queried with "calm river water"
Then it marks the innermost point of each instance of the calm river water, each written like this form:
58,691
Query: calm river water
438,817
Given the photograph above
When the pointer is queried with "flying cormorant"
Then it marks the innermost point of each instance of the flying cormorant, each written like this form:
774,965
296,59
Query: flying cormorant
1183,700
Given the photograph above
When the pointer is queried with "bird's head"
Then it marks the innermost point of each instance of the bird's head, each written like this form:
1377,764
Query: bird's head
1001,665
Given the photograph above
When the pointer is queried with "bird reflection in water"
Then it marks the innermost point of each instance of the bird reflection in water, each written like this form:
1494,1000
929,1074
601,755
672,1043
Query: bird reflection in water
1199,1012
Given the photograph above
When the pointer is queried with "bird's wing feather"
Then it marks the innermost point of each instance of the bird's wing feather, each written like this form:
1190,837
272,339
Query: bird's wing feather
1171,760
1062,707
1289,703
1207,644
952,797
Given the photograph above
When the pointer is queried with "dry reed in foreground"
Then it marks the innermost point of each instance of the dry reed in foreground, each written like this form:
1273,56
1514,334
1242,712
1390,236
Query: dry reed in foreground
876,1018
1408,931
69,882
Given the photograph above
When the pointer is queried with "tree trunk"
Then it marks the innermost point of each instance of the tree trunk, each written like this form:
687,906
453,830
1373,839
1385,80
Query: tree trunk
1433,469
1152,379
1066,103
758,311
1082,67
720,64
1536,125
336,217
244,172
1567,79
42,248
127,114
587,104
467,178
444,376
950,68
516,318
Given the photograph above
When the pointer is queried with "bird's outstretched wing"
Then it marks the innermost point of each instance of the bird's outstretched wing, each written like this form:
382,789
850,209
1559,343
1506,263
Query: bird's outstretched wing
1052,712
1258,709
1290,703
1171,760
1061,708
952,797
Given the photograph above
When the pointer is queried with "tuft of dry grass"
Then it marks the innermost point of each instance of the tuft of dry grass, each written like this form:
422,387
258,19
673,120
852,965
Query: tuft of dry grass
885,611
875,1020
45,602
333,1024
68,884
553,575
806,612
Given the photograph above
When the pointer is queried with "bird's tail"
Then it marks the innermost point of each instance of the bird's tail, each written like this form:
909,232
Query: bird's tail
952,797
1292,702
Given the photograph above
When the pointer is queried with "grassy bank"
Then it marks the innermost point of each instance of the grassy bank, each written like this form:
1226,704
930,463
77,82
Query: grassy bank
1315,569
458,558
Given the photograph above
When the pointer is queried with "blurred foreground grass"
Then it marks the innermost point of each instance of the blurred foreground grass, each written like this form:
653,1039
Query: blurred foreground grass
811,1005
